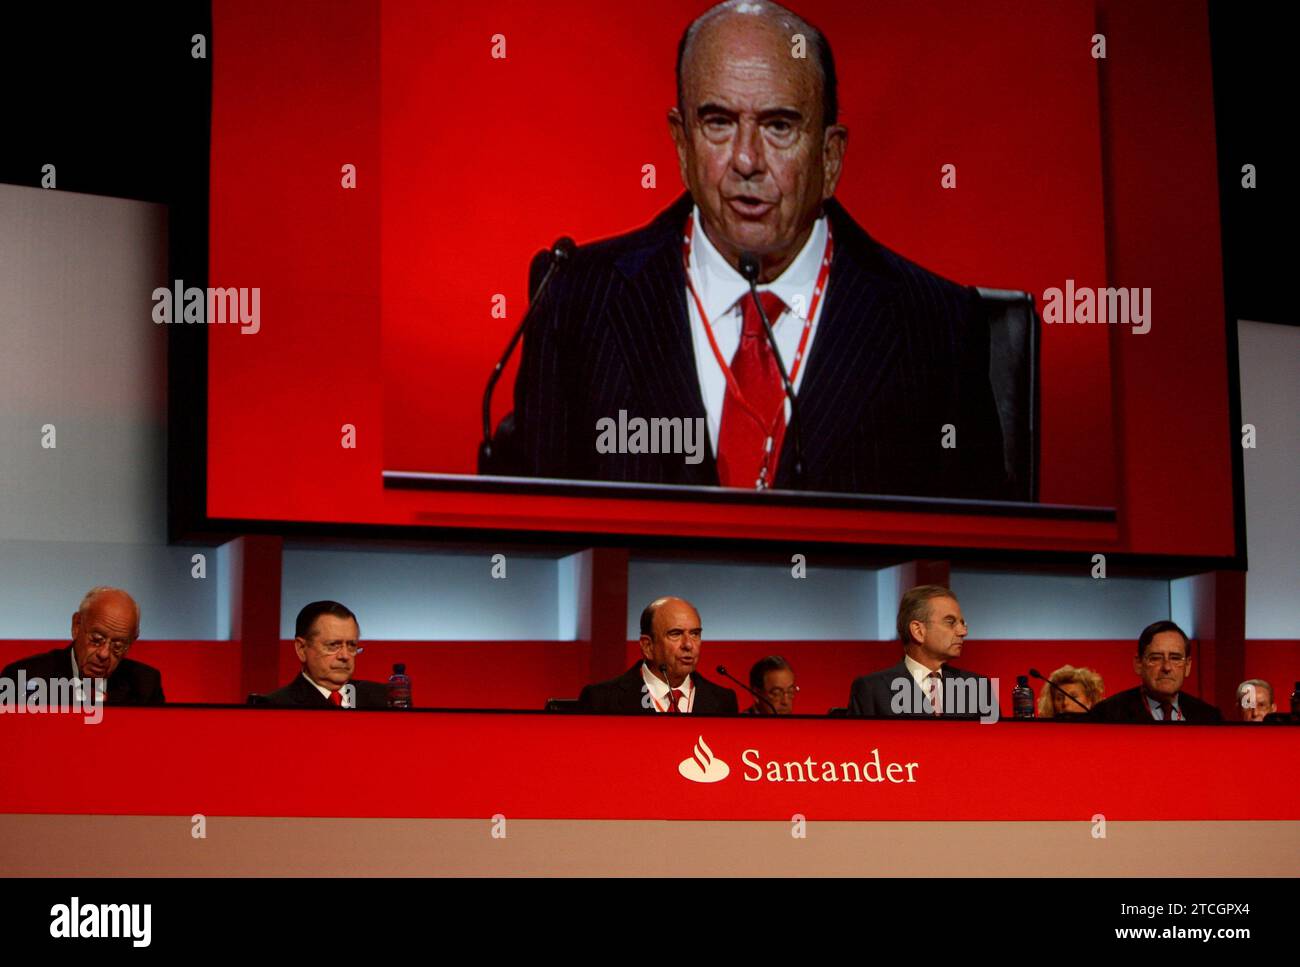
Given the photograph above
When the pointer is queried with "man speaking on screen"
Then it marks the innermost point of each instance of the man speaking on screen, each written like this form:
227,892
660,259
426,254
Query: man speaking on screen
643,338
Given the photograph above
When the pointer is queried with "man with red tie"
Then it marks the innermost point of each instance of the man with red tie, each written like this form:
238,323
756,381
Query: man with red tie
1163,661
326,641
884,357
666,680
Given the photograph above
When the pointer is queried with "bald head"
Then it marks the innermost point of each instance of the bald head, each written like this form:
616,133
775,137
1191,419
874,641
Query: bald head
757,142
736,24
670,638
104,626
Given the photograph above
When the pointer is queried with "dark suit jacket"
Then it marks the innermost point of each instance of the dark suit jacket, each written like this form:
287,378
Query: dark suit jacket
301,693
622,695
1129,707
899,352
873,695
132,682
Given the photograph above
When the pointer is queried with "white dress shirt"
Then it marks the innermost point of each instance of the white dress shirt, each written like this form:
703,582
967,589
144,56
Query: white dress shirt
78,687
346,692
920,675
659,691
721,288
1153,706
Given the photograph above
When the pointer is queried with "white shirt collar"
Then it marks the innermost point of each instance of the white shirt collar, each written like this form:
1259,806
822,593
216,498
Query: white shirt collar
101,684
1153,704
720,286
918,671
325,691
659,688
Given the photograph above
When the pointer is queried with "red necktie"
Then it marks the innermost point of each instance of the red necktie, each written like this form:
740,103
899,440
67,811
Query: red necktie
1167,711
674,696
336,699
741,437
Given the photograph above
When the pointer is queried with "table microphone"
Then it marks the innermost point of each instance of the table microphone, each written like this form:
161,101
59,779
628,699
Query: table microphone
758,695
749,268
557,255
1039,675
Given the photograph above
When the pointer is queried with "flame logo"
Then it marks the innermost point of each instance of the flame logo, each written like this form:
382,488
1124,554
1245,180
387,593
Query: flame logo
702,765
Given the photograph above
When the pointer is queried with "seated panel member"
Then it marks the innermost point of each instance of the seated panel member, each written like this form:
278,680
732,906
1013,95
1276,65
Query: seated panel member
1084,687
932,630
773,678
326,640
1255,700
670,636
1163,660
104,626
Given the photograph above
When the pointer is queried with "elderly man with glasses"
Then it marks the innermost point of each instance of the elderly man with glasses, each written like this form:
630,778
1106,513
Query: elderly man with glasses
104,627
1163,662
326,642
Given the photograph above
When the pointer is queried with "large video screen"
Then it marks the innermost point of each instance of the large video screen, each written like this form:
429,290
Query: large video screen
876,273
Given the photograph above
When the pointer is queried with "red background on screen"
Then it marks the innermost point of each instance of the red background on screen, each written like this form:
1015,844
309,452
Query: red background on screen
376,300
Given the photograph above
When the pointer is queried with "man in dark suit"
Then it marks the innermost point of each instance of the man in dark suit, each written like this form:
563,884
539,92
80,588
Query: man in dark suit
889,362
1163,660
105,625
666,680
327,642
932,630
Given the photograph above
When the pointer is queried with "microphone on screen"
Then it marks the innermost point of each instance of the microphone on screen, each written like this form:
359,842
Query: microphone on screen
554,257
1039,675
758,695
749,268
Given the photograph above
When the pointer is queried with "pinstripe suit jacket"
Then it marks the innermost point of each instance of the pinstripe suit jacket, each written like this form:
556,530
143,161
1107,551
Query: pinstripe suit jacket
899,353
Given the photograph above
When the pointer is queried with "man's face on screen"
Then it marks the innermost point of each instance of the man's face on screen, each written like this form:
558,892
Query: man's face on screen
1164,664
751,146
675,641
329,634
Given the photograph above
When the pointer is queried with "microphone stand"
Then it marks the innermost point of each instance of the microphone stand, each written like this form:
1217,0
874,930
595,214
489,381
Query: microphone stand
758,695
749,268
558,254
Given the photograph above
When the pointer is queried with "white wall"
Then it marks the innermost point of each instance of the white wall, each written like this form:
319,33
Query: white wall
1270,399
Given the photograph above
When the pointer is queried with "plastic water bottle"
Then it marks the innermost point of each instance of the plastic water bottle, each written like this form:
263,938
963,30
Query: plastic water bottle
1022,698
399,688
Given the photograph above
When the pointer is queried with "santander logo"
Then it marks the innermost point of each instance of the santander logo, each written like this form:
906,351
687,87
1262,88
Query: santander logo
702,765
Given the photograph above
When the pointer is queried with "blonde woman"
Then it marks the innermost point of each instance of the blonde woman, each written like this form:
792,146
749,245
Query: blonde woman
1082,684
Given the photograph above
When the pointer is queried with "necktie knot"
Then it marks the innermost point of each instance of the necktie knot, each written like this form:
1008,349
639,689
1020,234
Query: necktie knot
674,696
753,413
336,699
751,324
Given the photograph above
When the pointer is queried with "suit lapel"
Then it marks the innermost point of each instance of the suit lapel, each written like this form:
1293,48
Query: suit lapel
852,349
650,322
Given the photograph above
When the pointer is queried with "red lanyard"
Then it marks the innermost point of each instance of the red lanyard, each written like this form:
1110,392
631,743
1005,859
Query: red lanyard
732,387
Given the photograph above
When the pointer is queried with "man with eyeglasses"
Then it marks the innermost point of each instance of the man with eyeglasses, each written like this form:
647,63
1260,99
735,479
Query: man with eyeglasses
933,632
1163,660
773,678
104,627
326,640
666,679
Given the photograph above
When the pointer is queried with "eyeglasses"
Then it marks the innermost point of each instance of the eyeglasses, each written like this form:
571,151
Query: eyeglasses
1156,659
775,693
338,644
117,645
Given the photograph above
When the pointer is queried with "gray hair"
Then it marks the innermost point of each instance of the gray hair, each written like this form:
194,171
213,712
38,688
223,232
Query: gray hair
95,592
